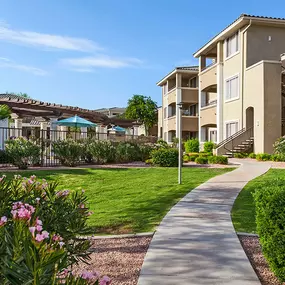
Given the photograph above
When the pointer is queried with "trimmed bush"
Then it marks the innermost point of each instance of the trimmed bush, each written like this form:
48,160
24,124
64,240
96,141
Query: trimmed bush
193,156
149,161
278,157
69,151
240,155
218,159
22,152
208,147
201,160
205,154
192,145
100,151
279,146
270,220
263,156
165,157
252,155
186,158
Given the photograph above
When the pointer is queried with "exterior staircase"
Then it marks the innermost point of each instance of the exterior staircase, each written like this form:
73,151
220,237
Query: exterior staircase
241,141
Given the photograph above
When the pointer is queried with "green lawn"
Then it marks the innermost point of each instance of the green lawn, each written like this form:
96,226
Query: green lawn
243,212
128,200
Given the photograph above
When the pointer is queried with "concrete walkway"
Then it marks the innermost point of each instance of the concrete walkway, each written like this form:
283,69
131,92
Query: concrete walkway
196,243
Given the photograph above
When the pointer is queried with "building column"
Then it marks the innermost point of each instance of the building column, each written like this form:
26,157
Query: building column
83,132
18,126
63,132
220,93
43,130
53,128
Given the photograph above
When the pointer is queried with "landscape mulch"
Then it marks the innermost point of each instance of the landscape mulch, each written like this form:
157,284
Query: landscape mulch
253,251
119,258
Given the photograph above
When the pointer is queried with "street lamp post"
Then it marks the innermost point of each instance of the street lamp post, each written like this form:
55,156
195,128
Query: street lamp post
179,143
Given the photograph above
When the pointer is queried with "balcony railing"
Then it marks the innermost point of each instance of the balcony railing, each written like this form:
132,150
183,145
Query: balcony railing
188,113
211,103
209,65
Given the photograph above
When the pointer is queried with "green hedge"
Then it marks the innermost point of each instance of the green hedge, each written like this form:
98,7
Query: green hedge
165,157
192,145
193,156
270,220
201,160
208,147
252,155
240,155
219,159
263,156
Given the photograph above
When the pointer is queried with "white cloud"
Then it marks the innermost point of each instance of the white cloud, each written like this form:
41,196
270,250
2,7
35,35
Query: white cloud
103,61
46,40
7,63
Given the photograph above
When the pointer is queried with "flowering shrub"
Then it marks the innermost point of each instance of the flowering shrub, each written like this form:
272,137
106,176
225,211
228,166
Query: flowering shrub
39,228
100,151
279,146
22,152
69,151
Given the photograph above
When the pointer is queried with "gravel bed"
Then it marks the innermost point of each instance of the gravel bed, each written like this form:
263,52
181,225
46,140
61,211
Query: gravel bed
121,259
252,249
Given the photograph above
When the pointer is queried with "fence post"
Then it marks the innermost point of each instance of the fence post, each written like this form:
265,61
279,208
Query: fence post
42,147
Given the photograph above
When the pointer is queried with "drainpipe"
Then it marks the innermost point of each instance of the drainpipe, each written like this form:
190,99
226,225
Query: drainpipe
242,71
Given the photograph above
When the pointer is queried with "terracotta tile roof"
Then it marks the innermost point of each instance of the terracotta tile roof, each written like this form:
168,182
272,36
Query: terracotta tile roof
248,16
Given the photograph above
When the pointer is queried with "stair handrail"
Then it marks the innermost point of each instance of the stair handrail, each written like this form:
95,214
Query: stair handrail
248,130
231,138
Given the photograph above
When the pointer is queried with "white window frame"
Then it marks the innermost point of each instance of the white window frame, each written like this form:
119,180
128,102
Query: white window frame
238,88
230,122
237,34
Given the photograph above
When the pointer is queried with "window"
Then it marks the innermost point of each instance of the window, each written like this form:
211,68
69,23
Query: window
231,129
232,88
232,44
193,82
213,135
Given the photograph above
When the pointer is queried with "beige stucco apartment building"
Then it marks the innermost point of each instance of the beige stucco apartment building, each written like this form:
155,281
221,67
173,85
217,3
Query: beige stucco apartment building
179,86
240,85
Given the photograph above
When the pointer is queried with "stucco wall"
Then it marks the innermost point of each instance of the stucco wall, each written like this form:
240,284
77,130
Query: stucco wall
259,47
272,105
254,97
232,110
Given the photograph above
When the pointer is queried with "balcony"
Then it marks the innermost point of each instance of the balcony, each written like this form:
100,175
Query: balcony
189,95
171,122
208,115
208,77
189,124
171,96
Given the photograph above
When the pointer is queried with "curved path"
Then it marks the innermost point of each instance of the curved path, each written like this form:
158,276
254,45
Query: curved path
196,243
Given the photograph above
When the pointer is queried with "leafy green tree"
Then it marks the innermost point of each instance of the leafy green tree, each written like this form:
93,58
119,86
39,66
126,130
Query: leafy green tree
24,95
143,109
5,112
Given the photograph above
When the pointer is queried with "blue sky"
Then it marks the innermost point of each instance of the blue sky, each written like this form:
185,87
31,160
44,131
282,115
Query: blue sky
98,53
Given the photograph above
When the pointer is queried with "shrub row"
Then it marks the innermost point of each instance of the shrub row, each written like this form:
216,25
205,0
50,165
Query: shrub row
204,158
270,220
261,156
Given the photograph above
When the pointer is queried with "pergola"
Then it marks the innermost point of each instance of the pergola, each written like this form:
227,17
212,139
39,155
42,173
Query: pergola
45,112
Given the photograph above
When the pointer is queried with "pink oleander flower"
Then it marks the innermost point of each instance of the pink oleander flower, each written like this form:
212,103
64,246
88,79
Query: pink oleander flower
65,273
39,228
3,220
45,234
33,177
89,276
56,237
61,244
38,222
105,281
30,181
32,230
39,238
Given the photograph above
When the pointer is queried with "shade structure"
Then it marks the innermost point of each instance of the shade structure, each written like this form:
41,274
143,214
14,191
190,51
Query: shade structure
117,129
75,121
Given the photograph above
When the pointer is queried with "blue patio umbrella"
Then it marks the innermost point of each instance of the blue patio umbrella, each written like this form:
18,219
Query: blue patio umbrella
75,121
117,129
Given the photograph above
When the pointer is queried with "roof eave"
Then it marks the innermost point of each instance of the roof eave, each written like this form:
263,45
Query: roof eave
162,81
